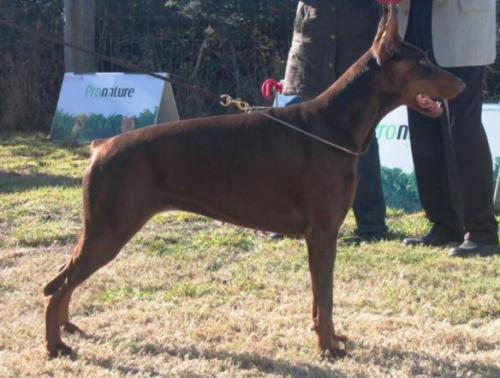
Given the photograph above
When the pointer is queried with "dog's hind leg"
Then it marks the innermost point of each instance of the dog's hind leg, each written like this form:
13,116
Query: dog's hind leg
92,255
54,285
64,314
321,247
99,244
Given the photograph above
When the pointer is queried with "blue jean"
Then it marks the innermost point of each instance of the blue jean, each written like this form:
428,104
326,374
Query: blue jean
369,204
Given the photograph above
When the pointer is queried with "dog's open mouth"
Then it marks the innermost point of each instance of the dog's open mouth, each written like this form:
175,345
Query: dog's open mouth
429,105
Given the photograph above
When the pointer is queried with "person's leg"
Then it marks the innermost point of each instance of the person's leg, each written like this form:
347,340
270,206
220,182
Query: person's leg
474,165
473,157
428,152
369,204
432,181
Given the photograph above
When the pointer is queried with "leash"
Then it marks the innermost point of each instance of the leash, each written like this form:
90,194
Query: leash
225,100
245,107
313,136
170,78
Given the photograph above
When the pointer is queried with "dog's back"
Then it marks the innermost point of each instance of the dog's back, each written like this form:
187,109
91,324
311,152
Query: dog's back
242,169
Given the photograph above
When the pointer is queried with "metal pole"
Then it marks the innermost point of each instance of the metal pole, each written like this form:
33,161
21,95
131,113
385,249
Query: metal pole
496,198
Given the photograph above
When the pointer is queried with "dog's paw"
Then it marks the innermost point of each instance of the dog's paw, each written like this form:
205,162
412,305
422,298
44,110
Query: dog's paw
340,340
59,349
333,354
71,328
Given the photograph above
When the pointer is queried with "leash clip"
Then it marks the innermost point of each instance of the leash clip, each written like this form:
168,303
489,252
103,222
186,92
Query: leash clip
227,101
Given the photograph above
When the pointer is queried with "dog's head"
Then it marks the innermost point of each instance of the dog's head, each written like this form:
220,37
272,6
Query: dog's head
420,84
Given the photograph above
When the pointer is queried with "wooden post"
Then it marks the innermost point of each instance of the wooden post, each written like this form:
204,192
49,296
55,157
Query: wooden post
79,29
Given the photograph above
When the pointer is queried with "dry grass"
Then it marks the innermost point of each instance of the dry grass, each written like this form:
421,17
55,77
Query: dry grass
190,297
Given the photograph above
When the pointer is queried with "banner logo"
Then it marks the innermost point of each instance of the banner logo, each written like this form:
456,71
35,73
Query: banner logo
391,132
117,92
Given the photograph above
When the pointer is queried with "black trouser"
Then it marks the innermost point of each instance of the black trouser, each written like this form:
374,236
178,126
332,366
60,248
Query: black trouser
473,156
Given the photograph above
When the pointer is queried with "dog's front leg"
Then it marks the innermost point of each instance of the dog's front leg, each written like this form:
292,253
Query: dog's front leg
321,247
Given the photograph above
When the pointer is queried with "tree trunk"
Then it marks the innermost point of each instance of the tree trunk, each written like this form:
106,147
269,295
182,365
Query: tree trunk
79,29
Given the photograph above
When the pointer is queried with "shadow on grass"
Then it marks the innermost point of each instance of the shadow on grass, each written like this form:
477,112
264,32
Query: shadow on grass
243,361
426,364
111,365
79,150
386,358
10,260
37,145
14,182
246,361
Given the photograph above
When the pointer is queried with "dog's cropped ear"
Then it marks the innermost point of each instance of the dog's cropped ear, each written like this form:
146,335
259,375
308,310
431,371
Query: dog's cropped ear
381,29
387,41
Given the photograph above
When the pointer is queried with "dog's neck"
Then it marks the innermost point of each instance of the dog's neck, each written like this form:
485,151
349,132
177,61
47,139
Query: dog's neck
357,101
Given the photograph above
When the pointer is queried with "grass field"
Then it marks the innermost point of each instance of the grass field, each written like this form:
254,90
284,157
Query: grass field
191,297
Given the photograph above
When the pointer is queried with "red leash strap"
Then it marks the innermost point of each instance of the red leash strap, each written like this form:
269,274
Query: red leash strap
270,87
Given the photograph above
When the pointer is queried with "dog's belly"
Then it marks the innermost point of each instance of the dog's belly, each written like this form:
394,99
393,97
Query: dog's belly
266,198
252,212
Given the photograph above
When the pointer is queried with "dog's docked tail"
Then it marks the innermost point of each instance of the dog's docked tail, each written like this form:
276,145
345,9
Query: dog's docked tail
96,143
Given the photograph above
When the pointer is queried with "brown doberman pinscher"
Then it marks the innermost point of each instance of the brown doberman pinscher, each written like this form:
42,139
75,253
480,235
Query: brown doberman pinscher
252,171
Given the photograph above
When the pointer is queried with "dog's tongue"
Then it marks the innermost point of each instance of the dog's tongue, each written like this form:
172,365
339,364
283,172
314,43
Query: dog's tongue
425,102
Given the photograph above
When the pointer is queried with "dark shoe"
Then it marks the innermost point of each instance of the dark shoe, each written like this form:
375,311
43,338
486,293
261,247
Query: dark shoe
362,239
471,248
350,240
275,236
433,238
370,237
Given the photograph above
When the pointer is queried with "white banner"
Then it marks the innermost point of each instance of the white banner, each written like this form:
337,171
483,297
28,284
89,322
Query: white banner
101,105
394,137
